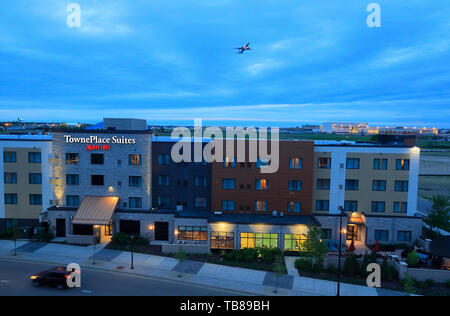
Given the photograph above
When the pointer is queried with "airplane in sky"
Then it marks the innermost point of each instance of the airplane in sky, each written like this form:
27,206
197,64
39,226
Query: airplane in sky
243,48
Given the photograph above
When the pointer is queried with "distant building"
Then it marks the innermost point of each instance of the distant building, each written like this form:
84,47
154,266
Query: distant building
346,128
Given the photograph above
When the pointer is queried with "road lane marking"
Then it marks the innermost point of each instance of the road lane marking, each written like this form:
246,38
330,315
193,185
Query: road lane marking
86,291
5,281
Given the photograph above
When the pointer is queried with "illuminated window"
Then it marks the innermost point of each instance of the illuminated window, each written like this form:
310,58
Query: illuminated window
135,160
324,163
400,207
261,206
222,240
295,207
229,162
259,240
72,158
193,233
402,164
295,163
293,242
262,184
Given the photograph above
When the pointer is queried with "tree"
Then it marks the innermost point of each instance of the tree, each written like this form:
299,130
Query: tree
313,249
413,258
181,254
439,214
278,268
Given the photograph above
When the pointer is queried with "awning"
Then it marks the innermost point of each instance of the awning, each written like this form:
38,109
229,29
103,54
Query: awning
96,210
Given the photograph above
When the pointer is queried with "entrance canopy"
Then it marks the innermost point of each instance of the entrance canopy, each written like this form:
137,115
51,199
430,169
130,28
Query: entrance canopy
96,210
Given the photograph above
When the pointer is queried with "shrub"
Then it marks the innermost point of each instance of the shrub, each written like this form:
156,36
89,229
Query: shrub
249,254
412,258
408,284
269,255
447,284
429,282
303,264
332,269
351,266
121,238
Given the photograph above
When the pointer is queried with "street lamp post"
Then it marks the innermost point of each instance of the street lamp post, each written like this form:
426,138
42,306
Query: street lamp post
341,211
132,259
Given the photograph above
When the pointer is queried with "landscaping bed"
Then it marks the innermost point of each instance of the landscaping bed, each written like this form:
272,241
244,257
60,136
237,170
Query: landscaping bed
263,259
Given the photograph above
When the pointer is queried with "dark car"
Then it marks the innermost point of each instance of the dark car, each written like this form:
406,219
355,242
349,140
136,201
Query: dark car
56,277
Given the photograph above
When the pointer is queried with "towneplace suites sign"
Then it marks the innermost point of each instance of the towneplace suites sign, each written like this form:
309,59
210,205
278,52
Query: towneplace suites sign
95,142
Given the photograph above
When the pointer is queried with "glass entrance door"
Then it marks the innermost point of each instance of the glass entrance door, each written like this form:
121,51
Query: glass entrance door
352,232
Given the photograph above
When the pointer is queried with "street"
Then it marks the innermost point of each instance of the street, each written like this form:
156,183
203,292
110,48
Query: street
15,280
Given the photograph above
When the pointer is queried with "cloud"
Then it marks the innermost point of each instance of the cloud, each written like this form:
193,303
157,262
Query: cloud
266,65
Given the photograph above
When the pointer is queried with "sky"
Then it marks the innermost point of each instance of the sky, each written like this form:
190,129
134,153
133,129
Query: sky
170,61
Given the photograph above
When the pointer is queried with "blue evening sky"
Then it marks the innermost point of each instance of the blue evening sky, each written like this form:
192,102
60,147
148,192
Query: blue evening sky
170,61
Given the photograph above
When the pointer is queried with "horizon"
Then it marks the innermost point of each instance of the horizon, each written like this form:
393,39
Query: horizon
173,61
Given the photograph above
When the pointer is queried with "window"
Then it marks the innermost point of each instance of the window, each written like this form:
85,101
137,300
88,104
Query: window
295,207
35,199
35,178
135,181
193,233
228,184
404,236
326,233
163,159
229,162
163,201
382,235
296,163
352,185
322,205
261,206
135,160
295,185
400,207
380,164
378,206
262,185
200,201
10,177
352,163
9,156
228,205
34,157
72,200
200,181
351,206
324,163
135,202
402,164
293,242
222,240
259,240
323,184
163,180
10,198
72,158
401,186
97,159
73,179
97,180
379,185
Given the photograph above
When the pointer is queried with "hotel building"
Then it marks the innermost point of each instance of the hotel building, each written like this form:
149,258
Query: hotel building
122,179
25,171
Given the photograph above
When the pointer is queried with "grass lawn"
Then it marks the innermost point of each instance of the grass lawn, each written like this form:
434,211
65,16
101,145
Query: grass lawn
432,185
207,258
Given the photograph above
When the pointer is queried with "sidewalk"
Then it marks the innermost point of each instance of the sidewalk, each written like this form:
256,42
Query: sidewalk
219,276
